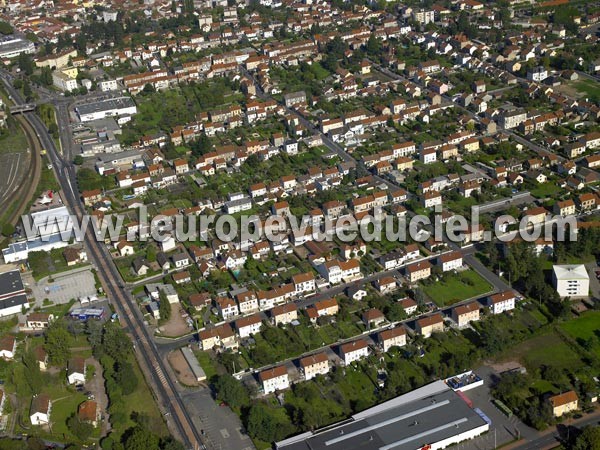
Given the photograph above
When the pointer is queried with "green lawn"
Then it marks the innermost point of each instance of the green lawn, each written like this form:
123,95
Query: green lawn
588,87
453,288
544,190
43,264
546,349
207,364
583,327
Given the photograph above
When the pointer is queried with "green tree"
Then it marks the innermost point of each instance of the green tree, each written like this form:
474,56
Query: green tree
78,160
140,439
589,439
164,307
171,444
125,377
6,28
82,430
266,424
25,63
116,343
58,343
8,229
231,391
32,372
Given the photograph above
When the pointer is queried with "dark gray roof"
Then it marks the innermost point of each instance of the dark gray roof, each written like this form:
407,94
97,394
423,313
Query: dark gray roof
405,423
15,300
10,282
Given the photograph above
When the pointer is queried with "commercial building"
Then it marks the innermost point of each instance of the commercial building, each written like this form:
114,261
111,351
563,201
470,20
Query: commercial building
571,280
13,47
119,106
12,292
433,417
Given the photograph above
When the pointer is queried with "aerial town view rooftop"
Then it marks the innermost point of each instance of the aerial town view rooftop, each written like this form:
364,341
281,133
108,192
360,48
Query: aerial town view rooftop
300,225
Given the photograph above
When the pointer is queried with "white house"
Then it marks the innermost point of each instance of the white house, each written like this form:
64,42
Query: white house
336,271
227,307
274,379
41,407
353,351
247,326
8,345
304,283
450,261
503,301
76,371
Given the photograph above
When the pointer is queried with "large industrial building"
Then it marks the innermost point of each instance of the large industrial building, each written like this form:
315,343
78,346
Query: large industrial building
119,106
47,227
432,417
13,47
12,292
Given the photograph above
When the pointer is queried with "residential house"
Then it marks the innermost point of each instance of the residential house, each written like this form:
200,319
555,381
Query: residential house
394,337
304,283
221,336
284,314
408,305
274,379
227,307
372,317
247,326
89,412
247,302
503,301
418,271
327,307
564,403
450,261
38,320
76,371
464,314
313,365
8,346
41,407
429,325
353,351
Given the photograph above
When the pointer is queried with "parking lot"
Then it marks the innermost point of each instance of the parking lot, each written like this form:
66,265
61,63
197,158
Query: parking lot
503,429
64,287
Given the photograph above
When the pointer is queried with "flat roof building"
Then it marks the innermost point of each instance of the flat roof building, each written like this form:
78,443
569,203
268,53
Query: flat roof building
433,415
118,106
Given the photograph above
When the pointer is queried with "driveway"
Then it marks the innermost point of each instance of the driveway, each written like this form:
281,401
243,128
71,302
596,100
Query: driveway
96,386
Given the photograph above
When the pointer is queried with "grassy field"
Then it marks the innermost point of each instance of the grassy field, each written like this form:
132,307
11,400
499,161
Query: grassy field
584,327
544,190
589,88
453,288
546,349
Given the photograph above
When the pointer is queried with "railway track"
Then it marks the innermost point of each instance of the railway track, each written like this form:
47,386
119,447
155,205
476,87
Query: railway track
31,179
147,355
